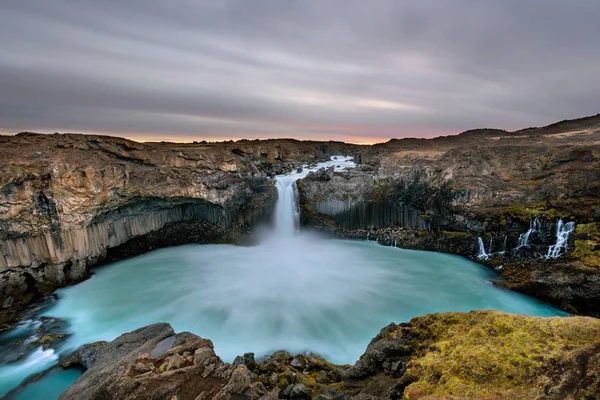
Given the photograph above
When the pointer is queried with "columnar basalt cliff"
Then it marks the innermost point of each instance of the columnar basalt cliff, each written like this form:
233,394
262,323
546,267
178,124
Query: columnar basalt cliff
477,194
71,201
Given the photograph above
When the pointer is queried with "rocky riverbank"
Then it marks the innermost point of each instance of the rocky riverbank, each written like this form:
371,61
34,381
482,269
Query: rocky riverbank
69,202
499,197
476,355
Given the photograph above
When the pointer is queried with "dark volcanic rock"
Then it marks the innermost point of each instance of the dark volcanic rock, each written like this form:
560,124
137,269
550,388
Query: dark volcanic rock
322,175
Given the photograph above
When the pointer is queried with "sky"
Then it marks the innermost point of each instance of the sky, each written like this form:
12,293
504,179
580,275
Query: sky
352,70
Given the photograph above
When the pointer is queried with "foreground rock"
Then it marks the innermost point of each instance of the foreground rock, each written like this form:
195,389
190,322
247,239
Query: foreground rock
478,194
481,354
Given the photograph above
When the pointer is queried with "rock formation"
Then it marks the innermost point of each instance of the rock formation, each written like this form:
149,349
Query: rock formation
68,202
484,186
481,354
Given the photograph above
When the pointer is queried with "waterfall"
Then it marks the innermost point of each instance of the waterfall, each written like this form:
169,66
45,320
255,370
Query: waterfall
562,236
534,226
482,253
286,210
287,215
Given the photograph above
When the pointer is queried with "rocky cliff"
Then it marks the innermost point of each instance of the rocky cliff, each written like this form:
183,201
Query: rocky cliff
477,355
70,201
477,194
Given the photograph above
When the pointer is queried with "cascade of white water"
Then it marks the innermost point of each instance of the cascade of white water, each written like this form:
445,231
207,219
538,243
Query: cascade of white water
483,255
534,226
287,216
562,236
286,212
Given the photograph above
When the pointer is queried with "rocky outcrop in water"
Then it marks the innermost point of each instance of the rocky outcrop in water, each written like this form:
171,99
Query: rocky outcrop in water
481,354
68,202
483,186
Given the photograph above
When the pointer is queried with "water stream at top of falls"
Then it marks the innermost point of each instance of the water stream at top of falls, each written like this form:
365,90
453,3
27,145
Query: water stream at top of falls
296,290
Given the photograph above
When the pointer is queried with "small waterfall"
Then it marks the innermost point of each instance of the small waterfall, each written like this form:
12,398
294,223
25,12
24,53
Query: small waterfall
534,226
395,243
562,236
483,255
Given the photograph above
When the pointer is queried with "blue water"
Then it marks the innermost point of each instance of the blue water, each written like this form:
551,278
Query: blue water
50,386
311,293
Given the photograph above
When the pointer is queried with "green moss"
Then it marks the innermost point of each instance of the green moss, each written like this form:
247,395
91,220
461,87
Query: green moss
50,338
488,354
524,212
20,169
587,244
380,190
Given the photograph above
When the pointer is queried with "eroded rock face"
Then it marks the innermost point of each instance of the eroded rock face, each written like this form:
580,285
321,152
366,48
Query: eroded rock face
71,201
464,355
444,194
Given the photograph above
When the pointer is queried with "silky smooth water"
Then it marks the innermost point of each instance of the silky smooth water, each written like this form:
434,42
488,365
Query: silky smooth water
50,386
322,295
297,291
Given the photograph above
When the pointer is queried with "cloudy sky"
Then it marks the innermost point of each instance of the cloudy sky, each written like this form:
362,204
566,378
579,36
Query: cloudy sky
354,70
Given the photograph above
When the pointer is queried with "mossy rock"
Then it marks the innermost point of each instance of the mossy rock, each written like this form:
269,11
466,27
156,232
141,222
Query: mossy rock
587,244
490,355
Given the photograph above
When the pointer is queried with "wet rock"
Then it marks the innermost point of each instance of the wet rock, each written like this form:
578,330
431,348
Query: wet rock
322,377
49,339
287,392
300,392
298,362
8,302
385,350
322,175
239,382
247,359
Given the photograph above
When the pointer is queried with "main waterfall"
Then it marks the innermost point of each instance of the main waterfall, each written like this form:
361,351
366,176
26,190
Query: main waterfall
287,215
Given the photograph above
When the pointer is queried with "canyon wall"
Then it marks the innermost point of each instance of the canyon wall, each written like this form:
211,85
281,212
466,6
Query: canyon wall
72,201
477,194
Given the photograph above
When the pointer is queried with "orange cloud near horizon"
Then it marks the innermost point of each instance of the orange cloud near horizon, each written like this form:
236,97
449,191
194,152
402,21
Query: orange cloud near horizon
338,133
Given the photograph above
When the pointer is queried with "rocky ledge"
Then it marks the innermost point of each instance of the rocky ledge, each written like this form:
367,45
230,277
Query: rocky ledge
499,197
476,355
68,201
